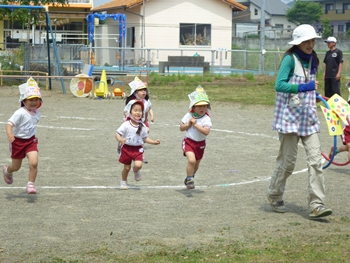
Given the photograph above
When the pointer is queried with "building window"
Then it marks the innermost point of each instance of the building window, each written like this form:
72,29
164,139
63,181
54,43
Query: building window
195,34
340,28
346,6
255,11
9,24
329,7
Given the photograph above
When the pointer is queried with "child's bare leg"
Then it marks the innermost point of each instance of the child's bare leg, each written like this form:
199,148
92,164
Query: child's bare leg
190,170
33,165
196,166
348,149
137,165
136,169
126,171
14,166
191,163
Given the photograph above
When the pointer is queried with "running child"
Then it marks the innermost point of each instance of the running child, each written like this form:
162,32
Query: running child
131,135
139,91
197,124
21,130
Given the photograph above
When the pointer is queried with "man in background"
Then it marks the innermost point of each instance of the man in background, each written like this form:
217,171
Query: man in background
333,65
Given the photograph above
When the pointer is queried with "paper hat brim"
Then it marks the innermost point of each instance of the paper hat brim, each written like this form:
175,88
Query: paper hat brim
32,97
201,103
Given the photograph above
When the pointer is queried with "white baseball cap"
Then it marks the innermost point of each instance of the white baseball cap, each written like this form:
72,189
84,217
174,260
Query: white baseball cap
302,33
331,39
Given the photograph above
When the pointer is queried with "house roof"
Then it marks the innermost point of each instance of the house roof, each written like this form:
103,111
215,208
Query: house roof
117,4
272,7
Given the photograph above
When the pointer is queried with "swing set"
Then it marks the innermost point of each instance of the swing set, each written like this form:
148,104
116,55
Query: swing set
48,29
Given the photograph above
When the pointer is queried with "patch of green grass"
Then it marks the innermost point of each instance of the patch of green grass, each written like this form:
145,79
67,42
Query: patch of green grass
294,248
246,89
345,219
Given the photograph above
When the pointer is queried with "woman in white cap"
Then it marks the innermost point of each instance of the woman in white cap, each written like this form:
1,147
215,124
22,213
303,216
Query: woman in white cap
295,119
21,130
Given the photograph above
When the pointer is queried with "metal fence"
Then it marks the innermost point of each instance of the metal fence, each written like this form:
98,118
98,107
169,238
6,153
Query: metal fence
72,59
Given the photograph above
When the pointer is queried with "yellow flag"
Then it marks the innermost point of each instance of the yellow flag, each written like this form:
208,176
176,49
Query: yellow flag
339,106
334,123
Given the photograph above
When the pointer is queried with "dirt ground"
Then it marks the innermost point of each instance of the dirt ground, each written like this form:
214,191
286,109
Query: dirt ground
79,207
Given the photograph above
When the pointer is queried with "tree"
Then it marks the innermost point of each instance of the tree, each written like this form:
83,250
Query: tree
326,28
25,15
304,12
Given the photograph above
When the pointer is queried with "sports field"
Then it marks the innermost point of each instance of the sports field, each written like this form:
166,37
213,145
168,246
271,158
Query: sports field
80,209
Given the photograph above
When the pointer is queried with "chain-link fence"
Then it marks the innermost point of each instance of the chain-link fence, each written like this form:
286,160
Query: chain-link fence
72,58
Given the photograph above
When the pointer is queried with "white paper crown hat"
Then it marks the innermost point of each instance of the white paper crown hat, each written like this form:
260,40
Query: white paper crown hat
199,97
137,84
29,90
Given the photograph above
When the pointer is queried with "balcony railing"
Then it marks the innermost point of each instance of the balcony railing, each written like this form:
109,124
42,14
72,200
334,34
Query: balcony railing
339,11
79,1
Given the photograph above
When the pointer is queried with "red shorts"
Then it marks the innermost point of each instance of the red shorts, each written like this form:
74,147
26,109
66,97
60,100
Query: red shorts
130,153
197,148
346,135
20,147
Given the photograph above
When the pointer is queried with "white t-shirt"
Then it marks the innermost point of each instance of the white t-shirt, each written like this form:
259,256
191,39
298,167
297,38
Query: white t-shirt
24,123
192,132
148,105
128,130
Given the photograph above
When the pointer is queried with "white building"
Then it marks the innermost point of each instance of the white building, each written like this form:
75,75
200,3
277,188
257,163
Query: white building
187,24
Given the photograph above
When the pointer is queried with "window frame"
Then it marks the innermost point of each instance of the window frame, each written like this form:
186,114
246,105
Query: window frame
195,30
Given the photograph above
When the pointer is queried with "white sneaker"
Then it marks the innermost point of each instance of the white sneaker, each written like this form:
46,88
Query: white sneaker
138,176
123,185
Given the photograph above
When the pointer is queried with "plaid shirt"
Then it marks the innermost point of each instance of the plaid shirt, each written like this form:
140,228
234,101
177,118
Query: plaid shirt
296,113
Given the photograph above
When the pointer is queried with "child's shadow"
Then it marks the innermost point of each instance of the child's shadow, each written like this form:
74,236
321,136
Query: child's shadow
29,197
190,193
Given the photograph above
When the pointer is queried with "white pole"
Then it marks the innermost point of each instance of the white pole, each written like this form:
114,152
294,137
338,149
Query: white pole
262,37
143,29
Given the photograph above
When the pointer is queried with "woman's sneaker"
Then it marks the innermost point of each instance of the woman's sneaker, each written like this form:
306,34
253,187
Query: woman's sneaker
123,185
320,211
7,177
278,207
189,182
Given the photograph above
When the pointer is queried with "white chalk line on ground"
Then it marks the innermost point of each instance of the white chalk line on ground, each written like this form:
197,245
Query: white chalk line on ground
148,187
77,118
60,128
140,187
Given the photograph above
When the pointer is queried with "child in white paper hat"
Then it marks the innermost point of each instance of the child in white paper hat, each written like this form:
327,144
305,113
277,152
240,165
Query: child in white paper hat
197,124
139,91
21,130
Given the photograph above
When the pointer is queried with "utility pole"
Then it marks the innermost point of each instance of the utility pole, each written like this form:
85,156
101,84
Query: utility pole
262,37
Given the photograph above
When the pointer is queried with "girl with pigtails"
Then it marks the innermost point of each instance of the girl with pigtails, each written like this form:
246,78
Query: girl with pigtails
131,136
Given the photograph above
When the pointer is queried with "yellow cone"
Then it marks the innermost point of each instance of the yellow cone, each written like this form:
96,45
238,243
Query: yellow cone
103,82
